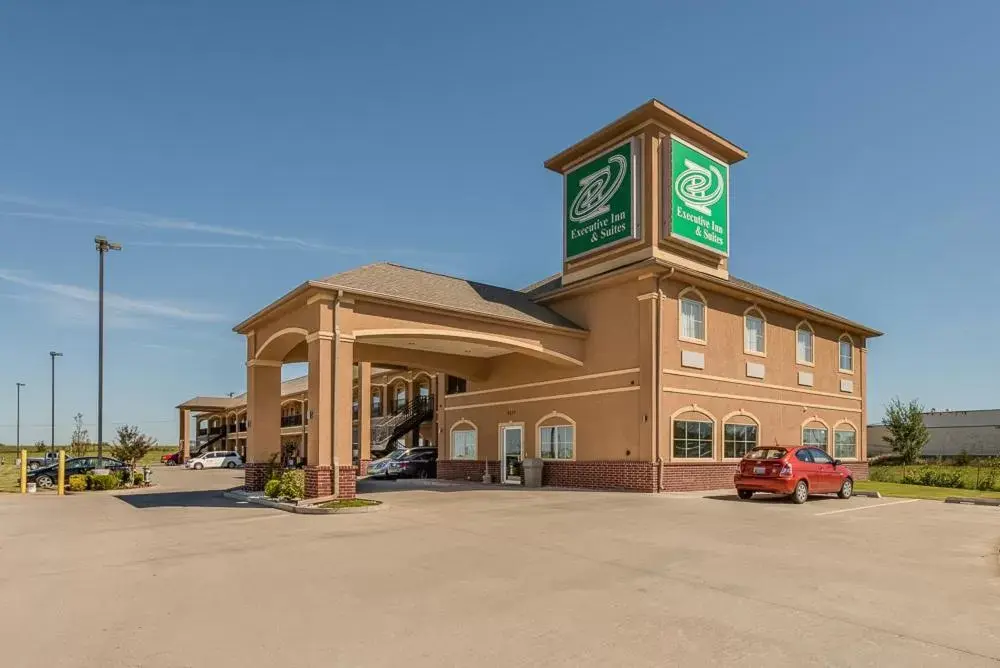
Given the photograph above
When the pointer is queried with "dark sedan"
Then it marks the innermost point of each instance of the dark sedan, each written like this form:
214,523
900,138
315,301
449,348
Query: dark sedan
414,464
47,476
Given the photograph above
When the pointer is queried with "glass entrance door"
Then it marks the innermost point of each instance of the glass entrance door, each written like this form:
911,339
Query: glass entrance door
513,453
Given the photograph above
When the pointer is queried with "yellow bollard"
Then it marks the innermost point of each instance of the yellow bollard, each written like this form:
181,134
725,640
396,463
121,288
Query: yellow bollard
62,472
24,470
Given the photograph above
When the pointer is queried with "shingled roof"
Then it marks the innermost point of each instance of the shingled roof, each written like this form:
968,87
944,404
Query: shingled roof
394,281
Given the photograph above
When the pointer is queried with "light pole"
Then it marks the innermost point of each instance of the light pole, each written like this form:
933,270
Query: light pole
19,386
52,443
103,246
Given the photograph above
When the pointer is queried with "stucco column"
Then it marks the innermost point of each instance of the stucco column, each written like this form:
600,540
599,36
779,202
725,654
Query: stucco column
319,444
343,416
263,419
647,396
184,435
413,438
364,416
440,440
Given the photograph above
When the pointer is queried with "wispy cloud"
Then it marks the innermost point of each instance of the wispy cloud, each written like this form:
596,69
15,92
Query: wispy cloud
30,209
198,244
114,303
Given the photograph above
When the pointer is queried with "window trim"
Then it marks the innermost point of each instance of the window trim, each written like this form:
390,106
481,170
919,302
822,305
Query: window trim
569,422
805,425
451,440
840,340
857,440
754,311
680,314
725,421
804,325
694,408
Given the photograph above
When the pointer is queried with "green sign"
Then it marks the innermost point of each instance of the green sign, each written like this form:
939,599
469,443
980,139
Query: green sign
600,202
699,198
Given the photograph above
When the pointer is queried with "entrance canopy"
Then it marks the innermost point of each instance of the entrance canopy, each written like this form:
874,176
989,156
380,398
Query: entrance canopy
395,315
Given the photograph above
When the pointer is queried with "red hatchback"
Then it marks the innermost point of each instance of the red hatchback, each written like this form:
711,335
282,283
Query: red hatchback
797,471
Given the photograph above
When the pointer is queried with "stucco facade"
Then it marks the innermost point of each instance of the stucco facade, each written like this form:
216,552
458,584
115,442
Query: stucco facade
643,365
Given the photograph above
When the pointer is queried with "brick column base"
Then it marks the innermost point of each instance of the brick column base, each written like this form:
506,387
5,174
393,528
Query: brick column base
362,467
348,482
255,476
319,481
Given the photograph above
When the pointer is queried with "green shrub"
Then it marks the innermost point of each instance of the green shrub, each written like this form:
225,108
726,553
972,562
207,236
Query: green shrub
77,483
138,479
962,458
103,482
931,478
292,484
273,488
986,480
881,474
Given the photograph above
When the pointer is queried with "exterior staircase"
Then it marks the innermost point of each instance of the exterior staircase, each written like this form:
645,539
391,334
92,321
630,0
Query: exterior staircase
388,429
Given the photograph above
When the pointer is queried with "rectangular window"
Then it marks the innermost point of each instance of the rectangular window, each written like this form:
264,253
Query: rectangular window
692,440
753,334
845,444
556,442
738,439
814,436
846,355
463,444
804,346
692,319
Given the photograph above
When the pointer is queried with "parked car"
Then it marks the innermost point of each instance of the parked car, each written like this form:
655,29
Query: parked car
215,460
379,468
47,476
796,471
416,463
47,459
172,459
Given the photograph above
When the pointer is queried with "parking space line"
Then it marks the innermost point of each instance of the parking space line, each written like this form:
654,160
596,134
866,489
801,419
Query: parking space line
879,505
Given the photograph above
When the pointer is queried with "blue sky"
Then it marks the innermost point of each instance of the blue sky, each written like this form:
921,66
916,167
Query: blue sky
309,137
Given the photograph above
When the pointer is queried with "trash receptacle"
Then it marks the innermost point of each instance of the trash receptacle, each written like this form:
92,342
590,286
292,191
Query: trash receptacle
531,469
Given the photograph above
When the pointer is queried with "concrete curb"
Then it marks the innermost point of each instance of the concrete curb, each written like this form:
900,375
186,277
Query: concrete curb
304,508
973,501
871,495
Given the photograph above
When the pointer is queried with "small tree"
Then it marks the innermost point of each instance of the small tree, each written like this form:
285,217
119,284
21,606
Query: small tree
40,446
907,432
130,446
79,442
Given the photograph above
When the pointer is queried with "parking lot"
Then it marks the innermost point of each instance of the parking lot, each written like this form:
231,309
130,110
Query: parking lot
467,575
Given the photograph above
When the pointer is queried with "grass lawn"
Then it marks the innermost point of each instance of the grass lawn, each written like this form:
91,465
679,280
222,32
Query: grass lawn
895,473
349,503
920,491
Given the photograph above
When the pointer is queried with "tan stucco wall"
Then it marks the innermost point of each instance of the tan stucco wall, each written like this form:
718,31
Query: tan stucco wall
778,401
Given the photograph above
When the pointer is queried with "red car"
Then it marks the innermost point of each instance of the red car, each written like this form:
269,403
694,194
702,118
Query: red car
171,459
796,470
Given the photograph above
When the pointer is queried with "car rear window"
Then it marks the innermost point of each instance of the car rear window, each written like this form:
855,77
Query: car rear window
766,453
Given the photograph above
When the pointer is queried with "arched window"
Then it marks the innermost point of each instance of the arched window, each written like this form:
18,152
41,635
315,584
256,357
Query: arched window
376,403
846,346
556,435
754,332
692,316
804,342
816,433
463,440
694,434
740,435
400,396
845,441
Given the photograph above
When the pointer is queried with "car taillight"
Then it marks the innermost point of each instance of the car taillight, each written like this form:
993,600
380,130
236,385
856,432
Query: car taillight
786,470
